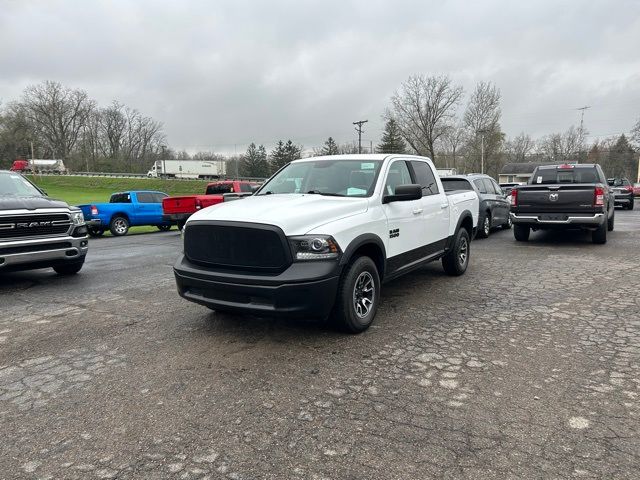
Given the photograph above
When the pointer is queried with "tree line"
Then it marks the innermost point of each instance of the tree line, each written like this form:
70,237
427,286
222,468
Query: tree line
427,115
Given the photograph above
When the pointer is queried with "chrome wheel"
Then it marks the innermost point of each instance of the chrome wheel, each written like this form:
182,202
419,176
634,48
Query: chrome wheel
486,227
463,252
509,221
120,226
363,294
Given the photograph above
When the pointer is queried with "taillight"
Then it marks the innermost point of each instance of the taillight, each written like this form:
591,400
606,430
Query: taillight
598,197
514,197
198,204
629,188
94,210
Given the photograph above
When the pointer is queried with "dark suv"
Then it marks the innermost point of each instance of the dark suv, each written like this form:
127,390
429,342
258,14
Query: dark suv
623,191
494,206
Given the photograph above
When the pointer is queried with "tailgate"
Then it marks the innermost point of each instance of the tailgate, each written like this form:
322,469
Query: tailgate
574,198
172,205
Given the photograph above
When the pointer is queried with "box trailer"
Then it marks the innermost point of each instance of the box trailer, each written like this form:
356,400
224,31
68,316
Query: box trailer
205,169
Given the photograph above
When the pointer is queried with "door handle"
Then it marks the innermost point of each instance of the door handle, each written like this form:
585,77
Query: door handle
417,211
444,205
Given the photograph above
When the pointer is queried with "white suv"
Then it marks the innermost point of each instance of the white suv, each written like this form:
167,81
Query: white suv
322,234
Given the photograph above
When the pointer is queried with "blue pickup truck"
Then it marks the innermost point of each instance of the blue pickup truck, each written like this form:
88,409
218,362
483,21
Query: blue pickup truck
124,210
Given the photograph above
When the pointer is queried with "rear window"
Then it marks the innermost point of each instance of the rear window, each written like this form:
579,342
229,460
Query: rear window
451,184
220,188
618,182
571,175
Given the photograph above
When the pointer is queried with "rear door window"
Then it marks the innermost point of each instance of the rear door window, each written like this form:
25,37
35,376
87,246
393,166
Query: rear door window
245,187
220,189
482,188
120,198
488,185
425,177
451,184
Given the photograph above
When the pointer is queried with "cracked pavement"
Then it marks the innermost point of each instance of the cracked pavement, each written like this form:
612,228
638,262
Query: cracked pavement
528,366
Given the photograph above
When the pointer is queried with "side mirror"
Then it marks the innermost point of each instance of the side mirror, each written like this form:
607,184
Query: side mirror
404,193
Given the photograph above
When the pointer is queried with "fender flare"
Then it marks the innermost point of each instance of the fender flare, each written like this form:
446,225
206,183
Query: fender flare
359,241
464,215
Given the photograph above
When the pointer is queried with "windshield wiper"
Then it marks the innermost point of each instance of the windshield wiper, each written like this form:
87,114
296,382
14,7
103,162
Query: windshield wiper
326,194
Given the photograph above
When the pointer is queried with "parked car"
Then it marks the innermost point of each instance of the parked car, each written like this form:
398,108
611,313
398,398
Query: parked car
321,236
623,192
636,189
494,207
125,210
564,197
37,231
178,209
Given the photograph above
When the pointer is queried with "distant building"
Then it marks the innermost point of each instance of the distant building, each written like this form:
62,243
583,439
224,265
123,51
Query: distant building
520,172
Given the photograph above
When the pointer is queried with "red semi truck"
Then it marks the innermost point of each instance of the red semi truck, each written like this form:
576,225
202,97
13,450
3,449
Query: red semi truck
178,209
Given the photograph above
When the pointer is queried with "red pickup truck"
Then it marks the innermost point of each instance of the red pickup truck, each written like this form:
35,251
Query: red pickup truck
178,209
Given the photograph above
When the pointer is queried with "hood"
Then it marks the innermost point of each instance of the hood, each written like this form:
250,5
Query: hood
12,202
295,214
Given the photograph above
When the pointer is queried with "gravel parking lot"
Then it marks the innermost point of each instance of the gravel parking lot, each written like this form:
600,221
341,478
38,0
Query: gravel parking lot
526,367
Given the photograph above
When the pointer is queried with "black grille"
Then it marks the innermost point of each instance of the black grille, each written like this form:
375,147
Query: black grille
35,248
237,246
19,226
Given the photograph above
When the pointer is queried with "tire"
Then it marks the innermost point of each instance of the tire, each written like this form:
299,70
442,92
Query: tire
521,232
164,228
631,205
455,262
509,224
611,221
599,236
119,226
95,232
180,224
360,281
485,229
69,268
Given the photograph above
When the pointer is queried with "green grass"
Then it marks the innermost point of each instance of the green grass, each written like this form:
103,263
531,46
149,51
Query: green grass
82,190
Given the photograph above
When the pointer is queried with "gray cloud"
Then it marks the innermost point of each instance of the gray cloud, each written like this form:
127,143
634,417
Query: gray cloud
219,73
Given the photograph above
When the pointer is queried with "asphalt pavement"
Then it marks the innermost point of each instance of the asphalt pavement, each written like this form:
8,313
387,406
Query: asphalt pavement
528,366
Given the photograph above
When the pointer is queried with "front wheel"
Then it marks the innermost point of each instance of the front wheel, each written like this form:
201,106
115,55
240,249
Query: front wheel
358,296
521,232
69,268
456,260
119,226
95,232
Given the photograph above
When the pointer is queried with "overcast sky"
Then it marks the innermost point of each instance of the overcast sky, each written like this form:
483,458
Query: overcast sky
230,72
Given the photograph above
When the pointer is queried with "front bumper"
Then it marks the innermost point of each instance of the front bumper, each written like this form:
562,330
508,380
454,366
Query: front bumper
592,220
25,254
302,290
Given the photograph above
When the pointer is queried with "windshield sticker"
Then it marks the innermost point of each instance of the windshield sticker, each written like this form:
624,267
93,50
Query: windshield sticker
356,191
367,166
539,179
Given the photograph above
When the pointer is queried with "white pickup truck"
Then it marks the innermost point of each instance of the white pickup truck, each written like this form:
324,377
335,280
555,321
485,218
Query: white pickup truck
322,234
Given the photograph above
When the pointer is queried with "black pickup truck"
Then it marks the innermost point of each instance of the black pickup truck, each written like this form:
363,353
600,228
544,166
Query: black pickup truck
564,197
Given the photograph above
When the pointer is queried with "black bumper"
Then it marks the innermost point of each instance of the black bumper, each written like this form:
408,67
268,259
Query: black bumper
304,290
623,199
175,217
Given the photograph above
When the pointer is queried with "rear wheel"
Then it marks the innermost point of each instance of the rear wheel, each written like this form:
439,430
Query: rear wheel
95,231
358,296
611,221
119,226
485,226
509,223
521,232
456,260
599,236
164,228
180,224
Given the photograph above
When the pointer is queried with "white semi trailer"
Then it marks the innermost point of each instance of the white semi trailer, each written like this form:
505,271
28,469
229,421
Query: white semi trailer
206,169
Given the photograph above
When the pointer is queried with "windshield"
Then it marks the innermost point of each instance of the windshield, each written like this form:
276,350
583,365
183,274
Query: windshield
569,175
342,178
17,185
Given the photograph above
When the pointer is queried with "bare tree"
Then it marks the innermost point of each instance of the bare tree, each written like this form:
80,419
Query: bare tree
562,147
635,134
519,147
424,108
57,114
452,142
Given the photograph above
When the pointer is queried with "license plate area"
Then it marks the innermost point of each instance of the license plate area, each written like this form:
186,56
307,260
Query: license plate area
553,217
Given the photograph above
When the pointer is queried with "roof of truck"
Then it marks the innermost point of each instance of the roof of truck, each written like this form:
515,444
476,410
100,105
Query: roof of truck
361,156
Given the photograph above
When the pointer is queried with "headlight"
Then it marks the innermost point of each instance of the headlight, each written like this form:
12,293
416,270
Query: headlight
77,218
314,247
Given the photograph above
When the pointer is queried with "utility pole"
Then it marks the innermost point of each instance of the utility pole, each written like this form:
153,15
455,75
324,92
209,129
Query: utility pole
482,132
359,124
582,109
